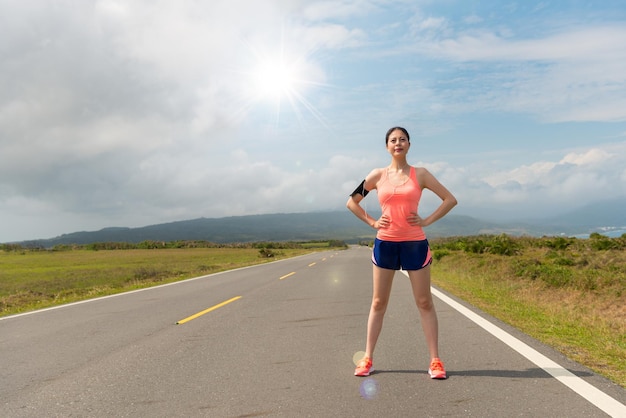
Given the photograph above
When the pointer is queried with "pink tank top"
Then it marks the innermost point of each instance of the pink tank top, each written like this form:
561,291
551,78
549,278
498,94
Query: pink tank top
397,202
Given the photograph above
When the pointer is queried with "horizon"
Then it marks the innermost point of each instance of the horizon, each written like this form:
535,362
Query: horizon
152,112
609,230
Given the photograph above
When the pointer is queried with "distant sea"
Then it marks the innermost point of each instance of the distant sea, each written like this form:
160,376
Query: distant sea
610,231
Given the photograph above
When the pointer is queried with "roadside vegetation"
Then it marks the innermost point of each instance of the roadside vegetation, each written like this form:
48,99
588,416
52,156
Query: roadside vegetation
568,293
35,278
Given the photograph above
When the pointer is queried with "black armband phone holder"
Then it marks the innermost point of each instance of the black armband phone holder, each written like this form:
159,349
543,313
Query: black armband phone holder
360,190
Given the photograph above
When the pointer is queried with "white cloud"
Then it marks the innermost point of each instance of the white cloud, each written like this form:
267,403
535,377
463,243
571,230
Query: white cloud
526,174
134,113
594,156
431,23
344,9
574,74
586,44
577,179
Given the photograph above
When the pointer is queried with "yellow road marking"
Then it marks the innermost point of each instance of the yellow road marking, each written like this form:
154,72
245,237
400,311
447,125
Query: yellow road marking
312,264
287,275
212,308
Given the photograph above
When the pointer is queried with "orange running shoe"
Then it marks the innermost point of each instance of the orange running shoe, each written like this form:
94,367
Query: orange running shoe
436,370
364,367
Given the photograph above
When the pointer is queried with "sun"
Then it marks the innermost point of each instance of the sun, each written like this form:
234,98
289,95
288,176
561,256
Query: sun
275,80
283,77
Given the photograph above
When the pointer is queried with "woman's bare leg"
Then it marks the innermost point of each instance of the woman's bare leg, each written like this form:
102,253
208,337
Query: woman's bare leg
382,281
420,283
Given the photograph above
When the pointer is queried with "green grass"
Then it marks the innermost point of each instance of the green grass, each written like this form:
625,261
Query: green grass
38,279
571,298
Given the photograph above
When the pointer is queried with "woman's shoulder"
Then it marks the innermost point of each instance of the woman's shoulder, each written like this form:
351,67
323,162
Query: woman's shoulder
376,173
423,176
372,179
420,171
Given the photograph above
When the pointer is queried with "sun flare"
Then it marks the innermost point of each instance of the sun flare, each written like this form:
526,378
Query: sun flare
275,80
282,77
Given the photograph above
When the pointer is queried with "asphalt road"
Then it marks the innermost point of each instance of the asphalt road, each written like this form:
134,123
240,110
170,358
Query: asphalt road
284,347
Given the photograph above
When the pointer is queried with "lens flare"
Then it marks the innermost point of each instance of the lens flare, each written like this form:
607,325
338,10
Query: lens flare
369,388
280,74
357,357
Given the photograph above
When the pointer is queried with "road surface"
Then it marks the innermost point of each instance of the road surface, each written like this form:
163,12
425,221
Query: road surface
278,339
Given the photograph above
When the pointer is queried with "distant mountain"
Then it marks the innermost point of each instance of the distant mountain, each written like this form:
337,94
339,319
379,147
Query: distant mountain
594,215
342,225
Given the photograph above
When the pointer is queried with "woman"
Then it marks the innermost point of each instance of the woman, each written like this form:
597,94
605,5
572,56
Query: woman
401,242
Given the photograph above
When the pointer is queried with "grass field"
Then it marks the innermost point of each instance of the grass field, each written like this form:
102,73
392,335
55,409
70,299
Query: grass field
38,279
567,293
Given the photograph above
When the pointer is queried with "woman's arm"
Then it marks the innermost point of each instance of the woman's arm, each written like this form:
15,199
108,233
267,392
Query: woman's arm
354,202
448,201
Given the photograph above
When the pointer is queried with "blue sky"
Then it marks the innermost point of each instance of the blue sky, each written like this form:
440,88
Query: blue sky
118,113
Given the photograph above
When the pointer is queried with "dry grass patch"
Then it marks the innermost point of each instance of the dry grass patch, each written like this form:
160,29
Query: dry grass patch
572,298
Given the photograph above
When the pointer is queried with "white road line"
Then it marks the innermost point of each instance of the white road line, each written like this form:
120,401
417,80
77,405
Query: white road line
594,395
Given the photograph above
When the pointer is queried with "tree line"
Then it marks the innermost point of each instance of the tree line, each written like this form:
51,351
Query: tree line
155,245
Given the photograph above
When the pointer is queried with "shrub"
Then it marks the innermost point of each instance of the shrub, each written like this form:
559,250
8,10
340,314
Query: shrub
555,276
563,261
527,268
602,243
559,243
337,243
475,246
266,252
11,247
504,245
439,254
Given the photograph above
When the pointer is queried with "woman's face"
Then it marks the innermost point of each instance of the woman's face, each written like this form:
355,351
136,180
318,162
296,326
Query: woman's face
398,143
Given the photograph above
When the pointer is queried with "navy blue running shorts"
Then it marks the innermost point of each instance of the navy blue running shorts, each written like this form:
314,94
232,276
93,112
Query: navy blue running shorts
405,255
